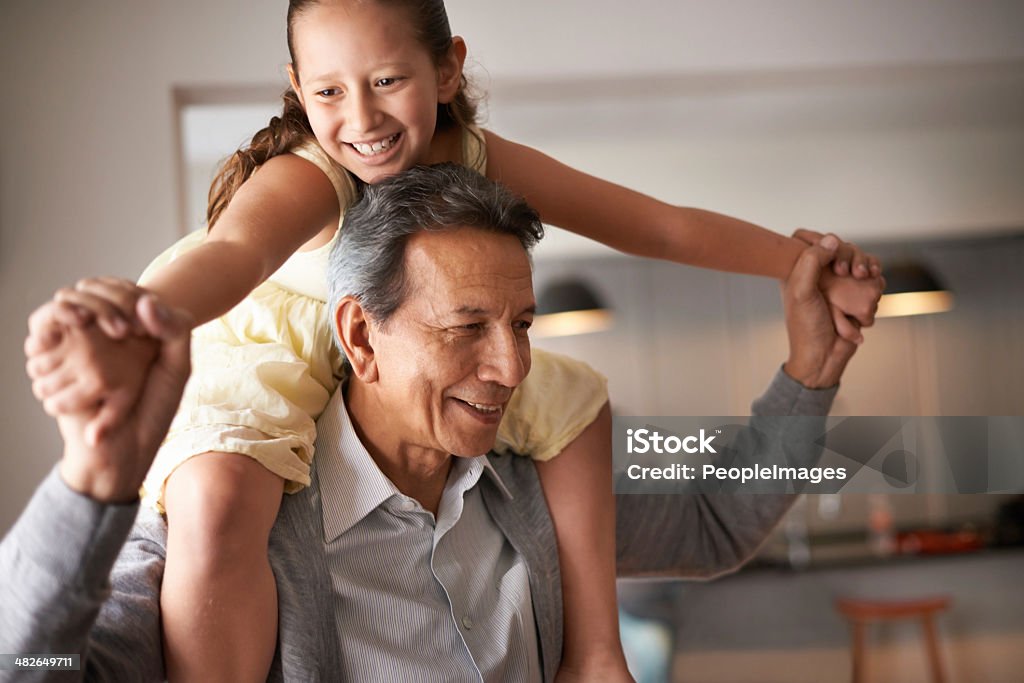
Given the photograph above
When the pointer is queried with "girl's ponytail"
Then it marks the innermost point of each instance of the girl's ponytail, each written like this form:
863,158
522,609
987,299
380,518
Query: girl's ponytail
282,134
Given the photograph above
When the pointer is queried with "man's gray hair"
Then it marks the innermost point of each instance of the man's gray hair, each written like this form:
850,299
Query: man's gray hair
368,259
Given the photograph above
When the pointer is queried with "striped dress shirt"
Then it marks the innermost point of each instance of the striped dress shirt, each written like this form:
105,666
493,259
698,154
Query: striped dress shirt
418,598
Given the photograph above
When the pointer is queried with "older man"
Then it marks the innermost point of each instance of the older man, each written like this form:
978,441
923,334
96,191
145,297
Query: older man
399,562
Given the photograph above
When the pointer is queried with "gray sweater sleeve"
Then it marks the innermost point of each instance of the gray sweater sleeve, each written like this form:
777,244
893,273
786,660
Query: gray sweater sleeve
704,535
62,594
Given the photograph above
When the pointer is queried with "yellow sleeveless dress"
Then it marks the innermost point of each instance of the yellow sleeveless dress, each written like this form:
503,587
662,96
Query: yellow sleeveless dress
263,372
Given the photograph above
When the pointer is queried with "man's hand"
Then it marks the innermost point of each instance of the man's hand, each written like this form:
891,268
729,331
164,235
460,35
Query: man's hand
852,286
67,385
817,354
109,467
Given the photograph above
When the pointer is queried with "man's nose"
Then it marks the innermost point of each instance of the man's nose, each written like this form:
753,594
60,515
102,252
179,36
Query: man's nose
506,359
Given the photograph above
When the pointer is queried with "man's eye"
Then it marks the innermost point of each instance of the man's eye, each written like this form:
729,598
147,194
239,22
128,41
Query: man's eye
472,326
523,324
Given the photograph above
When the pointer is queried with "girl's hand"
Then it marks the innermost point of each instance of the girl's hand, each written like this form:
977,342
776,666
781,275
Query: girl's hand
850,260
853,303
75,378
109,301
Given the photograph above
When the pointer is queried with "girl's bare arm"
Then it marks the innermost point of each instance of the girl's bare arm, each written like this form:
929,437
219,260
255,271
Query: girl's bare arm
281,207
277,210
638,224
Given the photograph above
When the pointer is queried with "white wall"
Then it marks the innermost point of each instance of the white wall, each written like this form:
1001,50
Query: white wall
611,37
87,180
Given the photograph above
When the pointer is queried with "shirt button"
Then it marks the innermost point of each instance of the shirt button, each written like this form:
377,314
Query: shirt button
467,622
408,505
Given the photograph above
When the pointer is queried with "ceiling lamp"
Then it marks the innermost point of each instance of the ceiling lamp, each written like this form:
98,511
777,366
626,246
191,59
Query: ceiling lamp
912,289
569,307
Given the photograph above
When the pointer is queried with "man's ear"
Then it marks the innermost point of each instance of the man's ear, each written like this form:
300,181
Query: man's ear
293,78
353,328
449,71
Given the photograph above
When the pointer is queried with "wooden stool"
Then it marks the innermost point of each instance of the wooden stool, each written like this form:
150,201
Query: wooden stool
861,612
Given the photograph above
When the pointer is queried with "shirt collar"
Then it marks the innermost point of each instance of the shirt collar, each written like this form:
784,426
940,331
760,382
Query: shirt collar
351,484
496,478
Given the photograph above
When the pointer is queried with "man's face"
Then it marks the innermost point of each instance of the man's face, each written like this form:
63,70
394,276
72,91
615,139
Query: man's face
451,354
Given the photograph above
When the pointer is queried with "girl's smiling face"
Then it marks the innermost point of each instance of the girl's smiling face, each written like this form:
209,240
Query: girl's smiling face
369,87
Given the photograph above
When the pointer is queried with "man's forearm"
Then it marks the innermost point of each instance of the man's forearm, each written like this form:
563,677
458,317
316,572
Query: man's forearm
700,535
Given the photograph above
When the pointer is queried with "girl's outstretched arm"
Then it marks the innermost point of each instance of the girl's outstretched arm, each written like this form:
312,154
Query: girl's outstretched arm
284,205
641,225
636,223
287,203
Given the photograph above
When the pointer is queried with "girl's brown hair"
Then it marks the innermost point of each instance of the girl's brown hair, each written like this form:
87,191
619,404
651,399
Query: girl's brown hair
291,128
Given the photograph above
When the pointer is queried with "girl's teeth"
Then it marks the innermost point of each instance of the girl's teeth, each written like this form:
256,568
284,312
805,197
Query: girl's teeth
376,147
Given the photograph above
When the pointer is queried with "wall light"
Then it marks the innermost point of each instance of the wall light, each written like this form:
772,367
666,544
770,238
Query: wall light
912,289
569,307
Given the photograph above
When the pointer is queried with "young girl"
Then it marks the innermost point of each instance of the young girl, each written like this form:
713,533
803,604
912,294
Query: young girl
377,87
